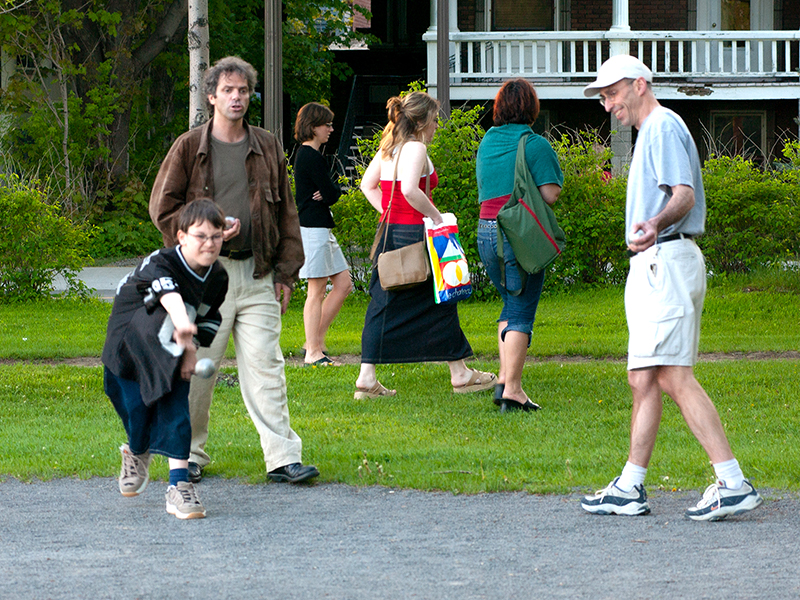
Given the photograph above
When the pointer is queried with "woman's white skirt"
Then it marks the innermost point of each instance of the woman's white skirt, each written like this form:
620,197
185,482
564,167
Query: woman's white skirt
324,257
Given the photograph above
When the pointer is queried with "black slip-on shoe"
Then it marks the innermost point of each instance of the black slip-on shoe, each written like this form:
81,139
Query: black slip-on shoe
499,389
508,405
293,473
195,472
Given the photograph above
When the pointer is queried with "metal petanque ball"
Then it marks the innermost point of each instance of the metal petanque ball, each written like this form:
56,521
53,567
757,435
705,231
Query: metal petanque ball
204,368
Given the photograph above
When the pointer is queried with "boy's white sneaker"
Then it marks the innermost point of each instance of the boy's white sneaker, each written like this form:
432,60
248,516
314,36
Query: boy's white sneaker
182,501
135,472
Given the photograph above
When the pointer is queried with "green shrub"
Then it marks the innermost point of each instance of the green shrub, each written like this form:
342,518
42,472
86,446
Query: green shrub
591,210
356,222
791,152
37,245
124,228
753,216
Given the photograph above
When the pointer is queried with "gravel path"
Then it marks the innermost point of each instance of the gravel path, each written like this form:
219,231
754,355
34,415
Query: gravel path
66,539
81,539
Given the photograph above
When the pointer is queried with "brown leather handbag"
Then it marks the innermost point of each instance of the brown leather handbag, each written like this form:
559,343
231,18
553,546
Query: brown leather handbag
403,267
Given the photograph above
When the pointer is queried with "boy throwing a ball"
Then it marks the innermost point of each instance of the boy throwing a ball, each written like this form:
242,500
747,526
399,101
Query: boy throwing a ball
162,310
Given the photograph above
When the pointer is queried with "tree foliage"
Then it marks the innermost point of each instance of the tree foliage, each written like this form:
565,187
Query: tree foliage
100,88
100,91
81,69
310,32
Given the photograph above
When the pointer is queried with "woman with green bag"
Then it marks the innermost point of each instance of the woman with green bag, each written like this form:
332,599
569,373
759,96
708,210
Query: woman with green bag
516,107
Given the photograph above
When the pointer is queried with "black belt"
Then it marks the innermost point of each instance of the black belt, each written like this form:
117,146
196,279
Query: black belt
236,254
667,238
674,236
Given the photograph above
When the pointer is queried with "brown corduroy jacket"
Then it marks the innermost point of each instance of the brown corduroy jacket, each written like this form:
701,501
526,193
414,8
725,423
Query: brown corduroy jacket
187,174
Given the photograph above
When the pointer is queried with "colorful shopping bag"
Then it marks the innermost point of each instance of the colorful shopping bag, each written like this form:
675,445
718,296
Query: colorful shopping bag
451,279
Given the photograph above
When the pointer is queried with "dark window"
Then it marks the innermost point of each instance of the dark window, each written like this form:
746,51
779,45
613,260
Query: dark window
522,15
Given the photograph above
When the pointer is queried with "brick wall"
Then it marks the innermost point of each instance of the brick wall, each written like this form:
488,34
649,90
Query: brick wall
644,15
466,15
591,15
359,21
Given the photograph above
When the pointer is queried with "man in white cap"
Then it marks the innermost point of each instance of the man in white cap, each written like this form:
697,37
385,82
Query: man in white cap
664,296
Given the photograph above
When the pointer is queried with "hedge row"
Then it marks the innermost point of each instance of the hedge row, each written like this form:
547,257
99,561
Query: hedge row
753,217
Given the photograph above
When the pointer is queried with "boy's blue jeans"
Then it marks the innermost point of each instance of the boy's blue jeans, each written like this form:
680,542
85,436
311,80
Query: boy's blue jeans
163,428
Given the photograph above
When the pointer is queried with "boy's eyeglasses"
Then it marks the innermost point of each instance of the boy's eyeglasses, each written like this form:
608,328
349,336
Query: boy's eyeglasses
216,238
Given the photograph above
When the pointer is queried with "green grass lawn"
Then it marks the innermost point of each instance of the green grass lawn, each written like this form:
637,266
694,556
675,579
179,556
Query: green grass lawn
55,420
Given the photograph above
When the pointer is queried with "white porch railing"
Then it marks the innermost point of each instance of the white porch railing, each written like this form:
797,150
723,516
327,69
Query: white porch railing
566,55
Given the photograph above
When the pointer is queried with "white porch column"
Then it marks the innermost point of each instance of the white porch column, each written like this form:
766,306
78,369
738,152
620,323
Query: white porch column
453,14
619,16
622,141
619,26
432,81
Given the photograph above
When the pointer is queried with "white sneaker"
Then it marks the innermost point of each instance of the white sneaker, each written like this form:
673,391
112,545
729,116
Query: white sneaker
613,501
719,502
182,501
135,472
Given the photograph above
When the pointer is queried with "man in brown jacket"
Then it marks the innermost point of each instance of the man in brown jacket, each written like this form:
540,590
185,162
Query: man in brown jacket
243,169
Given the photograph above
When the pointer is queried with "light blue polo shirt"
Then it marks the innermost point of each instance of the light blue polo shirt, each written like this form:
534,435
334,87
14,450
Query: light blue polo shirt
665,156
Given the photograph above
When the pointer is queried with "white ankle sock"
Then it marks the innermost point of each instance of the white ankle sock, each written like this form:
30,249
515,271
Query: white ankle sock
730,473
632,475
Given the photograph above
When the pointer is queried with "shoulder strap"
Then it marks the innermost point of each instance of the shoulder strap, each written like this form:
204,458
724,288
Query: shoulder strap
520,163
391,196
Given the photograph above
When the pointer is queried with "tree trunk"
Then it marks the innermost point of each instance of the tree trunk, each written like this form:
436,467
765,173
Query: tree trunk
120,156
198,61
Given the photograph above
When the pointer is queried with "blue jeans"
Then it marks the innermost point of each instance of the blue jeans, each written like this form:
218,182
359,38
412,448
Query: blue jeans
519,311
162,428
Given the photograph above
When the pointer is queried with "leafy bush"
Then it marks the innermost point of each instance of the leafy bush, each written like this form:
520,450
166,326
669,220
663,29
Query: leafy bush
124,228
591,210
356,222
753,216
38,244
62,140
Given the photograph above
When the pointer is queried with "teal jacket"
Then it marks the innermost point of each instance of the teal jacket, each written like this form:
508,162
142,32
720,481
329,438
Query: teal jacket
497,155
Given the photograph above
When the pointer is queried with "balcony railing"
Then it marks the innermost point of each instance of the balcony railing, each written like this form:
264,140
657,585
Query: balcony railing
576,55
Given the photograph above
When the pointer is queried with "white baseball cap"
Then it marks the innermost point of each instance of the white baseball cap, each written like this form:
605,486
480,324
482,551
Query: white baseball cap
617,68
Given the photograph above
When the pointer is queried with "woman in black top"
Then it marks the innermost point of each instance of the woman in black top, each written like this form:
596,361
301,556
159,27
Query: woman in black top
315,193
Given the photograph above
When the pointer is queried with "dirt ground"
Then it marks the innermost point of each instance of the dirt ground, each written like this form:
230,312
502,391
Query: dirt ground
353,359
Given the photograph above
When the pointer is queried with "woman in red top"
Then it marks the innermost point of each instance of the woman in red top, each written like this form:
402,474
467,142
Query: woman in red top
407,325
